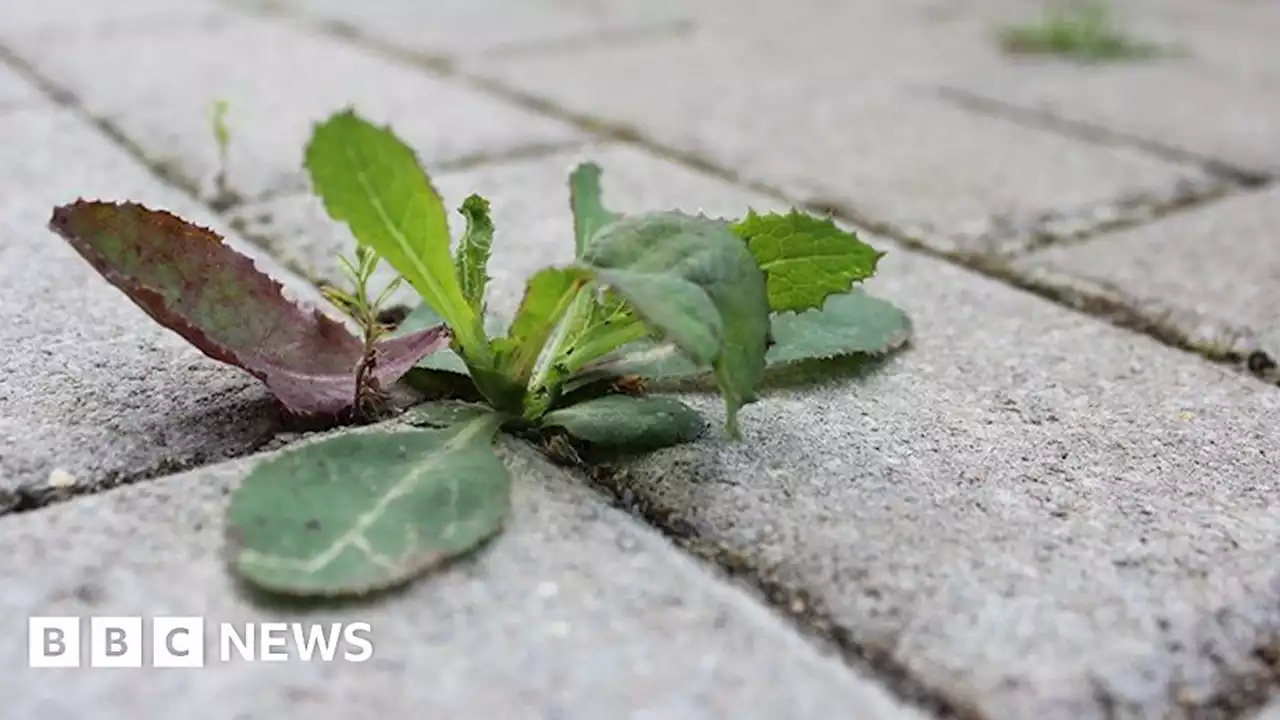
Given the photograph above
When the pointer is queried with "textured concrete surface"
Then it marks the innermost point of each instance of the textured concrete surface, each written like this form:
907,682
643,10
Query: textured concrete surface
1270,712
530,204
469,27
19,18
576,611
1215,262
278,81
15,90
1039,515
89,385
823,127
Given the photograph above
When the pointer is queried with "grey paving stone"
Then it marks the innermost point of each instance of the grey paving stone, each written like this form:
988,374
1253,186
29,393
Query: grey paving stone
1218,262
576,611
466,27
1030,510
1270,712
89,385
530,205
821,126
15,90
1038,514
278,81
1179,103
22,17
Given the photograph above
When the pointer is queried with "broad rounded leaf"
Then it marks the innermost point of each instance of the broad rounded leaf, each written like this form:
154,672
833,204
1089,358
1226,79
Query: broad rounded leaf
629,422
848,324
186,278
362,512
695,283
444,413
805,258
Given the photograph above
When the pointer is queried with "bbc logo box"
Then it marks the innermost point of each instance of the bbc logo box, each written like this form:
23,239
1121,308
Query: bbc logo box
114,642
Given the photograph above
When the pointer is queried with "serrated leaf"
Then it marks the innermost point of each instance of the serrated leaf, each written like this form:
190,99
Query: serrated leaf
444,413
585,199
695,283
547,296
472,257
806,259
848,324
372,181
623,421
356,513
186,278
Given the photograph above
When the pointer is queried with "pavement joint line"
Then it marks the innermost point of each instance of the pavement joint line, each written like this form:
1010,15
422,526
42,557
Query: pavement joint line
1097,134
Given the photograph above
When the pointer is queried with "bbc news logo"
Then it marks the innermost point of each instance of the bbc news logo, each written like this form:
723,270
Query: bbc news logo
179,642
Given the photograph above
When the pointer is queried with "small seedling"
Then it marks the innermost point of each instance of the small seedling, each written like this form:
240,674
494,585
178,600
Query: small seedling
1080,29
648,298
224,195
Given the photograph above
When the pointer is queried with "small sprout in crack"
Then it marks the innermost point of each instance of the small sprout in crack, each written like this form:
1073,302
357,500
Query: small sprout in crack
224,196
1078,29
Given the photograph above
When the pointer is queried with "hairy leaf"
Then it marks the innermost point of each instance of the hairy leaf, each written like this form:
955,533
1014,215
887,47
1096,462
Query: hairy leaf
694,283
848,324
585,199
362,512
372,181
472,258
444,413
805,258
187,279
623,421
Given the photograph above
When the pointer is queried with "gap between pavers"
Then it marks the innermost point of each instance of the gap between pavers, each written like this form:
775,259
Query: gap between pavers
1030,510
1218,262
158,89
90,386
575,611
823,129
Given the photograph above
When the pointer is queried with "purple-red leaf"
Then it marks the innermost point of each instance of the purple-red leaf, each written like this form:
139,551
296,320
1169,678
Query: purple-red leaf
187,279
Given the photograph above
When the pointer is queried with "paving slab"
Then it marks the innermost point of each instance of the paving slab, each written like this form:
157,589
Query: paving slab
1217,263
278,80
1270,712
1033,512
822,127
89,385
15,90
530,206
463,28
1037,514
1179,103
21,17
575,611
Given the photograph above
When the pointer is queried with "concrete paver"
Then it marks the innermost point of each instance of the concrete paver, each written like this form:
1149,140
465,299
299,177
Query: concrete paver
22,17
278,81
89,385
1220,115
469,27
15,90
1215,262
576,611
821,126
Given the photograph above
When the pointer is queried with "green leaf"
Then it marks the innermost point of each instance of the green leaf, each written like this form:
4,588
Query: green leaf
443,413
445,360
363,512
851,323
805,258
472,258
589,213
695,284
547,296
623,421
372,181
848,324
